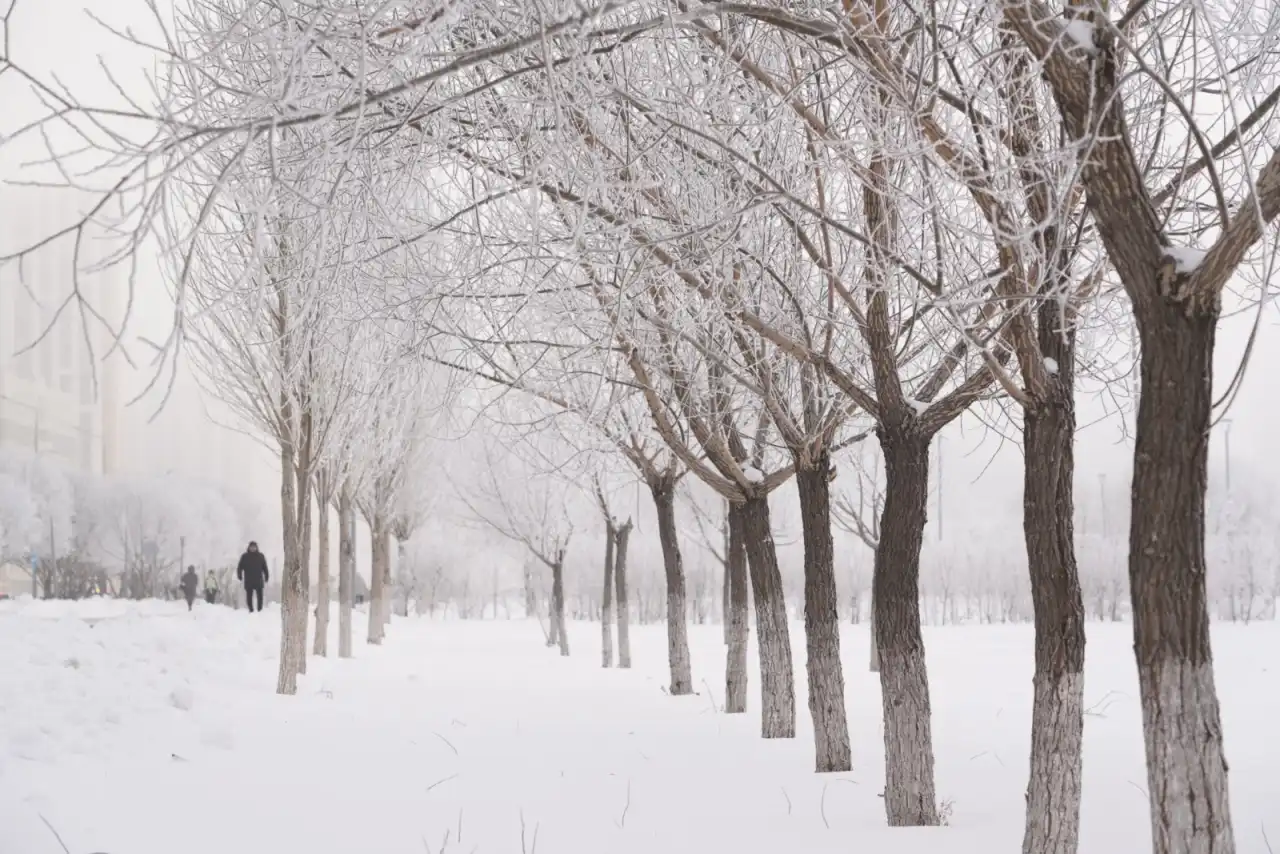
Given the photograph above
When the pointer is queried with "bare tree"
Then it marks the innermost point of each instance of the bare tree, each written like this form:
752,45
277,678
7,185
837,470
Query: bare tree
863,521
538,521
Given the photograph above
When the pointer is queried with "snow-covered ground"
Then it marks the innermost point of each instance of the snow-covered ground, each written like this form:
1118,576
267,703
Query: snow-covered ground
137,728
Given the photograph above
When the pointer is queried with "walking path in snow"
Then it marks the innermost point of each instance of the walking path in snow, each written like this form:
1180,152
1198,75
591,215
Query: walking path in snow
137,728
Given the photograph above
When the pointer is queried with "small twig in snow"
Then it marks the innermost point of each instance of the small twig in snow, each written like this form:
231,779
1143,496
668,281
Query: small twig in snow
788,797
626,808
1105,703
528,846
442,781
55,833
446,741
711,698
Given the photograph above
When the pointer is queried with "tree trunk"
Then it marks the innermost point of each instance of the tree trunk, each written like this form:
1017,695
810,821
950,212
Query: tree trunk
664,499
346,568
726,592
777,683
377,537
290,583
623,536
875,647
822,620
557,606
909,795
1186,767
384,610
302,613
1048,507
606,600
736,618
388,583
322,573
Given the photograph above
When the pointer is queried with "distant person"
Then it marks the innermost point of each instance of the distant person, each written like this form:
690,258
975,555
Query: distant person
210,587
253,572
190,581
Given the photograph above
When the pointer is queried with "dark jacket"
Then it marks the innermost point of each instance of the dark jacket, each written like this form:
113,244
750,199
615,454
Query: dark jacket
253,570
190,581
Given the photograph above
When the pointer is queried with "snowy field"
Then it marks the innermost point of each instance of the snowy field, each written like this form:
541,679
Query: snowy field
137,728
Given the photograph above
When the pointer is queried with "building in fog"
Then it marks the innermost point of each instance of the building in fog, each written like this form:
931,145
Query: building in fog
55,397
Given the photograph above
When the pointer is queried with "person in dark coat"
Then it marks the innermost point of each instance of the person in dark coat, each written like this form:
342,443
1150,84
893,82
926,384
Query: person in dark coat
190,581
253,572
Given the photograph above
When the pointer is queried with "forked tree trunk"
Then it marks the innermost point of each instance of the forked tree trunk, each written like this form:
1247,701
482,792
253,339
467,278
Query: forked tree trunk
622,538
777,682
1057,716
321,647
377,537
1186,766
822,620
346,569
736,618
909,795
290,583
664,499
606,600
557,606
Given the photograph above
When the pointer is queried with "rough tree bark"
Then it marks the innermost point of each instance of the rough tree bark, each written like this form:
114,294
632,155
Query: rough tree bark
1177,313
606,599
324,496
290,580
874,663
726,591
302,611
664,499
346,568
1186,765
909,795
388,588
1057,717
377,538
384,609
737,621
622,538
777,682
557,605
822,619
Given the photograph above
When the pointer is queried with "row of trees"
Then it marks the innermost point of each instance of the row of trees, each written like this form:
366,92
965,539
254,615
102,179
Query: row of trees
727,241
84,534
